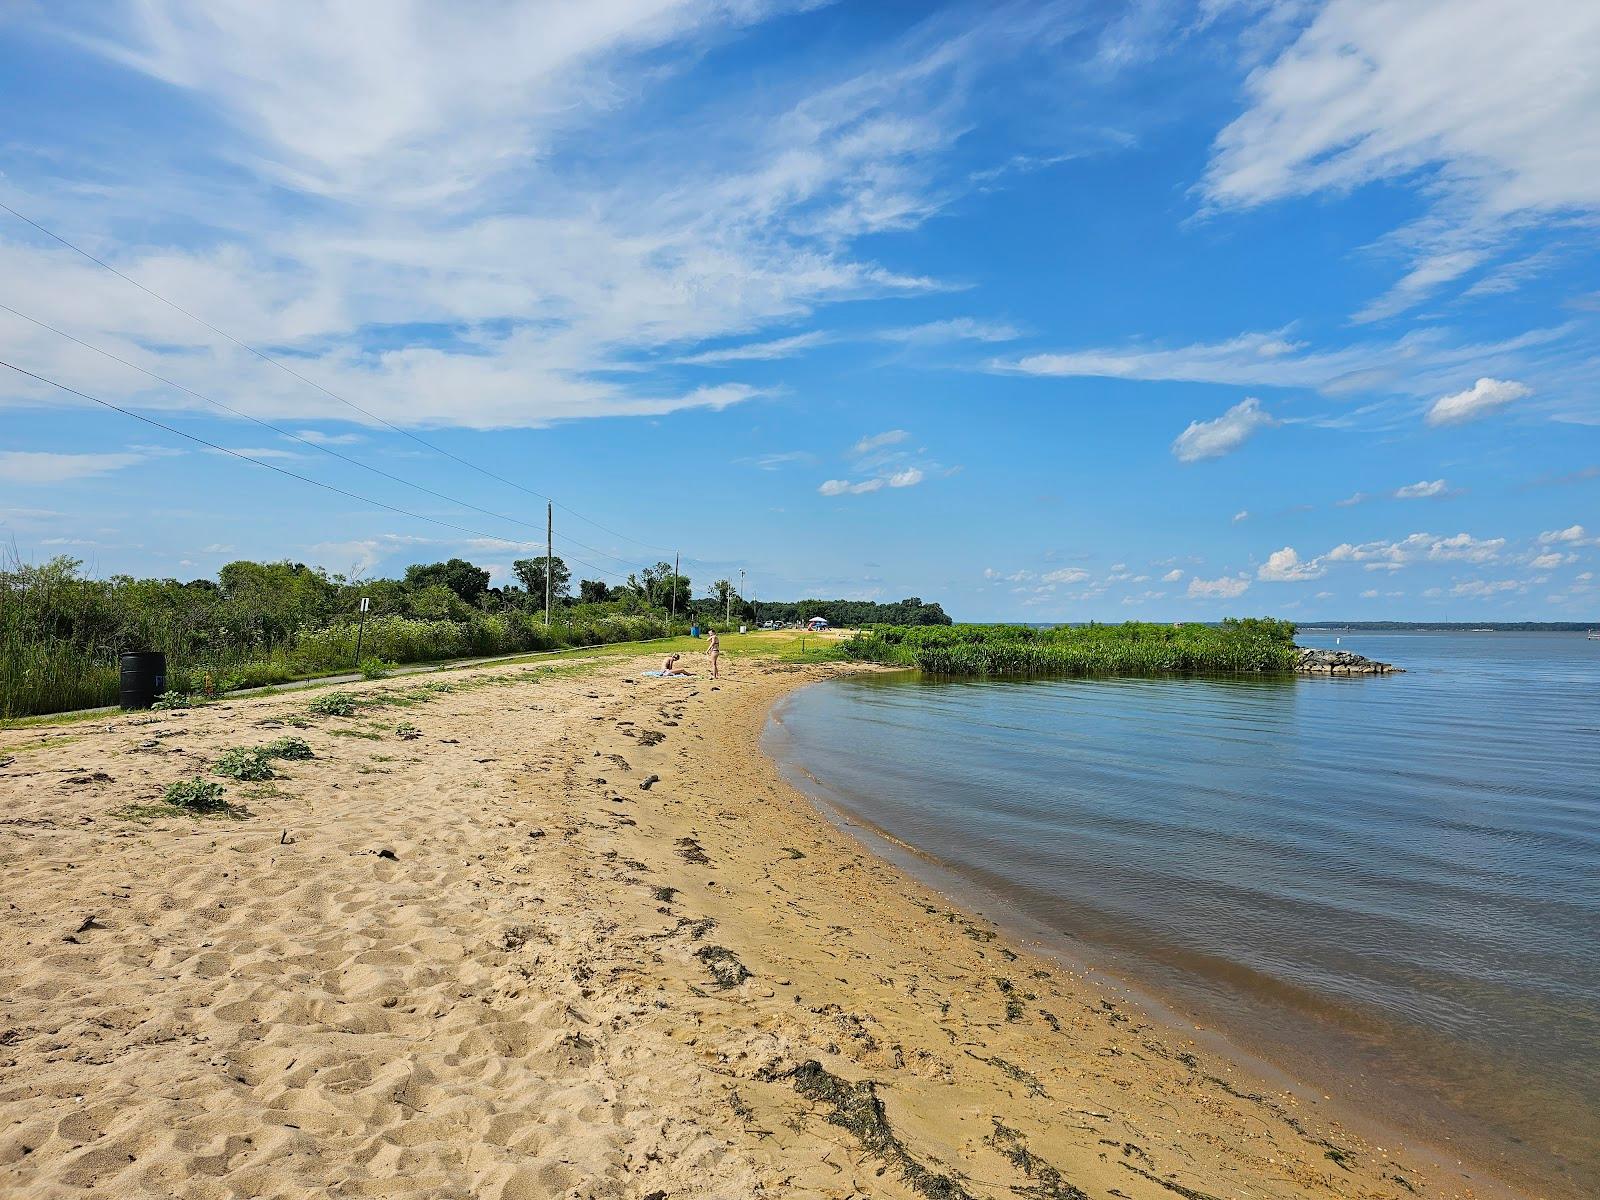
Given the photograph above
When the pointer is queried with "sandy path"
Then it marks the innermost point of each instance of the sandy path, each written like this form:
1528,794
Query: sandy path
538,991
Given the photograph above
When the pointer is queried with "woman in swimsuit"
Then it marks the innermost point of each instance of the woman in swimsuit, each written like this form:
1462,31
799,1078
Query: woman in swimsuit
714,649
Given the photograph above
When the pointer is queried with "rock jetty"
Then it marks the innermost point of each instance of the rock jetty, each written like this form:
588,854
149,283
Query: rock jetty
1338,662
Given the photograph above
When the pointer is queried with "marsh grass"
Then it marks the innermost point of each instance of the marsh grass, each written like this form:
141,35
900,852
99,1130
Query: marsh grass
1250,645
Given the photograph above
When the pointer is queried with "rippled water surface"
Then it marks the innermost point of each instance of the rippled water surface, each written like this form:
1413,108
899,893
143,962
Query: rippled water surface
1392,882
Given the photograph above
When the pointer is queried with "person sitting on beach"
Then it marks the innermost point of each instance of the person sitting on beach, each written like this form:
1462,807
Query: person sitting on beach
671,667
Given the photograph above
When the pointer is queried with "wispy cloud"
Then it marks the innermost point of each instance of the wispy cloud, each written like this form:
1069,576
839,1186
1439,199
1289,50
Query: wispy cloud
956,329
757,351
31,467
496,177
877,441
1368,92
1417,364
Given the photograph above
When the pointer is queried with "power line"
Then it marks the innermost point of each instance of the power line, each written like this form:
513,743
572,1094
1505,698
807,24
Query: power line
267,358
271,466
294,436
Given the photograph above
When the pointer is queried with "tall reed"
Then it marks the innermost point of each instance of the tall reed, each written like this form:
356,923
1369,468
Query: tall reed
1136,648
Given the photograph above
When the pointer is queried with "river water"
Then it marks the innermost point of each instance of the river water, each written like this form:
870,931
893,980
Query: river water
1389,885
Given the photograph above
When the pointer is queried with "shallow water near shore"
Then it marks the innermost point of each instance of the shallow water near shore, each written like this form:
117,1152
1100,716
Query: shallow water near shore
1388,885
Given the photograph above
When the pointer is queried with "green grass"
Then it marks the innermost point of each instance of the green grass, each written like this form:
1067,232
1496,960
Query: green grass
787,646
1251,645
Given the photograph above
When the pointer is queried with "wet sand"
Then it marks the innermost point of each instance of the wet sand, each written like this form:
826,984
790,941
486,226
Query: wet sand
575,938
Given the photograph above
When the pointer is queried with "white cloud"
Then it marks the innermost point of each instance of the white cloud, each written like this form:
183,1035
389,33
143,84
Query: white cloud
878,441
1419,363
1242,515
40,467
1484,588
1225,588
317,437
1481,399
772,462
501,174
843,487
1473,109
1370,594
1066,575
909,477
757,351
1172,576
957,329
1225,434
255,452
1572,535
1422,490
1550,560
1284,566
1466,548
1418,547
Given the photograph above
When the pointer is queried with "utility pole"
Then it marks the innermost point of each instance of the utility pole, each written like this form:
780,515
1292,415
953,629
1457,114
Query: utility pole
549,555
676,563
741,591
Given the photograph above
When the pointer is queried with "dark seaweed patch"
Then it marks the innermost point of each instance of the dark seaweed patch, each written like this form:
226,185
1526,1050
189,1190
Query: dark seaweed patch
855,1107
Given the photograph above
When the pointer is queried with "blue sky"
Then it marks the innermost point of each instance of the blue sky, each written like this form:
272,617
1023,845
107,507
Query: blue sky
1047,311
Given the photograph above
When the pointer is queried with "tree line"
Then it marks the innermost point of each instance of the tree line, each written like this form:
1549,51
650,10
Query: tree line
269,622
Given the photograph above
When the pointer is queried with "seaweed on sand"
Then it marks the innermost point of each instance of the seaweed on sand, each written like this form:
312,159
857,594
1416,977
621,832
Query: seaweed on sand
1048,1183
855,1107
725,968
691,850
1188,1193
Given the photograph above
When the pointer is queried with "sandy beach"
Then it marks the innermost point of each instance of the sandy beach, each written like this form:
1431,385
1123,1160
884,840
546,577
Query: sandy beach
572,936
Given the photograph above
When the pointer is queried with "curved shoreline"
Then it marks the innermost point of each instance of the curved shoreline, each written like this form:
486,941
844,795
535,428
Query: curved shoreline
572,929
1119,971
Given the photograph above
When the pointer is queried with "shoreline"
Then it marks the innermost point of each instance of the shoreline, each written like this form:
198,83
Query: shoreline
1365,1107
609,951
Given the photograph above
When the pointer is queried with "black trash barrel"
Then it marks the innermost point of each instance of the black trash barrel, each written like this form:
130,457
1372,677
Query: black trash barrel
144,677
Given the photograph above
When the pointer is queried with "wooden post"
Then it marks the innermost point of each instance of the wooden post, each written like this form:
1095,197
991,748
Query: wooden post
549,556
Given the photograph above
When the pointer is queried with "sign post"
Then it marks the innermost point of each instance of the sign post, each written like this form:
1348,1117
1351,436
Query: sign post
361,626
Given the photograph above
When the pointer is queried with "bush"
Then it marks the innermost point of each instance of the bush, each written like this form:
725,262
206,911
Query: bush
168,700
333,704
196,795
375,668
287,747
250,765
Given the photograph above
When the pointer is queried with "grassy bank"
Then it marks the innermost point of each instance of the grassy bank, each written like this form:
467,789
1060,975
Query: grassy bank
1136,648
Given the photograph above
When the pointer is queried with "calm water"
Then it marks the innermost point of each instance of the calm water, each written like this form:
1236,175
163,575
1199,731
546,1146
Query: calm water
1392,883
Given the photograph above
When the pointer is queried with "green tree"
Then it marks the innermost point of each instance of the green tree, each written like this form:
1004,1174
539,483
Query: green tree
593,591
460,576
530,573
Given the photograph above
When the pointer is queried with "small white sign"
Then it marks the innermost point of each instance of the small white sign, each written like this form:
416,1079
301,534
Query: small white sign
366,604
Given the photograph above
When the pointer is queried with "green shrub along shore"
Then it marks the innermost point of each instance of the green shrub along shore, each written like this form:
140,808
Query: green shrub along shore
257,624
1256,645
